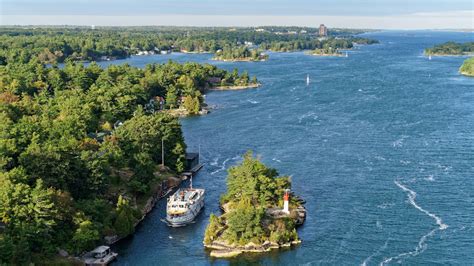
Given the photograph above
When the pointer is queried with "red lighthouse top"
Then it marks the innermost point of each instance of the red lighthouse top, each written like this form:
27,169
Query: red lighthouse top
286,196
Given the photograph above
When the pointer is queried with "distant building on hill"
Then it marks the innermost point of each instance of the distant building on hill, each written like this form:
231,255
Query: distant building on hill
323,30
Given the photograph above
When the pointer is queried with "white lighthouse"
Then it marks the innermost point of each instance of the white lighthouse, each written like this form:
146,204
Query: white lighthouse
286,197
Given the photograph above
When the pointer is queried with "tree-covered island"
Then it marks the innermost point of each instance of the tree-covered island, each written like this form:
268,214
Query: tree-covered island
240,54
467,67
333,46
253,219
451,48
455,49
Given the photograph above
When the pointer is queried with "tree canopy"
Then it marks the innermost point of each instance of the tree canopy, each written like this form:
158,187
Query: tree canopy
80,148
451,48
467,67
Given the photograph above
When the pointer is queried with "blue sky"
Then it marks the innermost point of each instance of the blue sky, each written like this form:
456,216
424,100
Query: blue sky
110,11
229,7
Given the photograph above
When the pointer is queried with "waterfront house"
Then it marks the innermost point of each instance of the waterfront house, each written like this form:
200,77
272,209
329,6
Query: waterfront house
214,80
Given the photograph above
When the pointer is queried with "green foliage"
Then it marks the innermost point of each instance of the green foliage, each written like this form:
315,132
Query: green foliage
141,136
125,222
282,231
212,229
242,53
31,219
85,237
251,189
467,67
67,134
331,46
244,223
192,104
51,45
451,48
252,179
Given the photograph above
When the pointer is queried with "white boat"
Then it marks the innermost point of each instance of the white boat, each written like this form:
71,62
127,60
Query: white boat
183,206
102,255
429,57
307,79
347,55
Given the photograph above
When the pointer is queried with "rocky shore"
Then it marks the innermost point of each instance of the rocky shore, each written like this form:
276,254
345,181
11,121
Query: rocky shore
221,249
234,87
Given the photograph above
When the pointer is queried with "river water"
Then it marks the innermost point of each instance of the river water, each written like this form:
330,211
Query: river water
380,144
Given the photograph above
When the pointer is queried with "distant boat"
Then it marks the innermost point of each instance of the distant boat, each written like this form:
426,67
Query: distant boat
429,57
347,55
307,79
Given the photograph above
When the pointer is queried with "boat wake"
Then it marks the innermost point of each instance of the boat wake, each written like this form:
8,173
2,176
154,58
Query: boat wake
223,165
367,260
222,168
421,247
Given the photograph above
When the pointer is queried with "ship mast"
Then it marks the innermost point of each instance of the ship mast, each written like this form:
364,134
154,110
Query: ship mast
162,152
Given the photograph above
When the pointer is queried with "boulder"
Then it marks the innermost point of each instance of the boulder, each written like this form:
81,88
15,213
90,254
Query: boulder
63,253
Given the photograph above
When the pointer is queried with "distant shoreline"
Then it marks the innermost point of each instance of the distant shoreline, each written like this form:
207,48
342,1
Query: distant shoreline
239,60
450,55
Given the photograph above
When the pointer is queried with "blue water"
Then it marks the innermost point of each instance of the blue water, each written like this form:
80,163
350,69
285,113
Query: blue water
380,144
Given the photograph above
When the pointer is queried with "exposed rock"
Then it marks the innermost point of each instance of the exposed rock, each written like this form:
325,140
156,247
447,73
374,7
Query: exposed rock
63,253
229,253
111,239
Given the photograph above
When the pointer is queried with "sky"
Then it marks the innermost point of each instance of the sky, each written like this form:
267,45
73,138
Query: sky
381,14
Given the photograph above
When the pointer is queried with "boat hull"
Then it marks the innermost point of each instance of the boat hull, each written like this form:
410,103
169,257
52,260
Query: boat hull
186,218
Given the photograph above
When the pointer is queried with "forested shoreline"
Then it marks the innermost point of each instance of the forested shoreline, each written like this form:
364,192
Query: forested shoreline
455,49
80,148
60,44
451,48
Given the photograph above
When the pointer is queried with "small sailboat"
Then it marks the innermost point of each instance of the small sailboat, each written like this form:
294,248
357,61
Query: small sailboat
307,79
347,55
429,57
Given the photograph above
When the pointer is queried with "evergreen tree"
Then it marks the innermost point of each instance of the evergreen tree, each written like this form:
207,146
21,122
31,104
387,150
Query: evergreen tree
125,222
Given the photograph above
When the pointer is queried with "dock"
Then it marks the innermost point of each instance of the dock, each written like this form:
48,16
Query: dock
193,171
193,165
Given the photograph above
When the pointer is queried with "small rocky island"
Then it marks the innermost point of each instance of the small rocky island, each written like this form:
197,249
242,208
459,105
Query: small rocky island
259,212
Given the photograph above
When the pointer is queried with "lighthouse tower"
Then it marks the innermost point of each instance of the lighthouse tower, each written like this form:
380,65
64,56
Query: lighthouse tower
286,198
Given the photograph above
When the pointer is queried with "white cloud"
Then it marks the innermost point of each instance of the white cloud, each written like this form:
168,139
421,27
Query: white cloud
438,20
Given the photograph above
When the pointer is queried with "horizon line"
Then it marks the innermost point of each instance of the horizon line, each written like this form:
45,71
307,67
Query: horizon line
415,21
